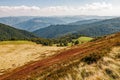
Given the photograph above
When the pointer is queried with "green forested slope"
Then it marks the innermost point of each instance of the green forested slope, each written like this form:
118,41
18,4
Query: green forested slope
8,32
99,28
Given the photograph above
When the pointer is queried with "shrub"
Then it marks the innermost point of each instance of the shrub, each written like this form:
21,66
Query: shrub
76,42
111,74
92,58
84,73
118,56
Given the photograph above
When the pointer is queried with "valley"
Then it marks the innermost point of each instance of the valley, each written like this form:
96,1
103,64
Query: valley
77,49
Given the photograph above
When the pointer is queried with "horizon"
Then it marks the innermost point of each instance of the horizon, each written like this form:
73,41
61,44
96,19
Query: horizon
60,16
59,8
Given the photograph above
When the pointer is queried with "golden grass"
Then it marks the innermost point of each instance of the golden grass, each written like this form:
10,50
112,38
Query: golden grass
69,65
14,54
16,42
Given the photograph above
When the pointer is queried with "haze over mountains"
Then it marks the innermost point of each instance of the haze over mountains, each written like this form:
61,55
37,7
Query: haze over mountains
14,20
32,23
85,21
37,23
53,27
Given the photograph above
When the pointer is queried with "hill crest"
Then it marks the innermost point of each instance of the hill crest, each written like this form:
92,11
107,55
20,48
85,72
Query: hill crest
8,32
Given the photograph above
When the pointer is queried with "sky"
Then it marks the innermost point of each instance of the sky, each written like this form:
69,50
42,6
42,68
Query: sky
59,7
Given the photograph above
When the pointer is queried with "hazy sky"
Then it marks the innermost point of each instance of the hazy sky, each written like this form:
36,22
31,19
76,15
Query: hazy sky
59,7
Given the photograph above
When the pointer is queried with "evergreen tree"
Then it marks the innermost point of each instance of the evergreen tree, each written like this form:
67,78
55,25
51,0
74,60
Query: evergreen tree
76,42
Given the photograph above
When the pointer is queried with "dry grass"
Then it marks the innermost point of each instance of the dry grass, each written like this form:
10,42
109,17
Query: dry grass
73,64
107,68
16,54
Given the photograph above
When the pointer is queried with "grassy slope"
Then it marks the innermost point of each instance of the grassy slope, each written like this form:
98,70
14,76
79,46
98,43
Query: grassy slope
15,42
65,66
14,54
81,40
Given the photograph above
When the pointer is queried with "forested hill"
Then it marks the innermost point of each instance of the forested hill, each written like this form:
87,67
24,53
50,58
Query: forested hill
101,28
8,33
98,28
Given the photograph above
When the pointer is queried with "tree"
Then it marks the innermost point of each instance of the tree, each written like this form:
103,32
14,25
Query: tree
65,44
76,42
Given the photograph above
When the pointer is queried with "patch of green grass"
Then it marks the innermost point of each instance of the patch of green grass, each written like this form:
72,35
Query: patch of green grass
80,40
16,42
83,39
69,44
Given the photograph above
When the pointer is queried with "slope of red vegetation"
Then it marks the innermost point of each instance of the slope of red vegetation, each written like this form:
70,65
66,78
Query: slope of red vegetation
79,51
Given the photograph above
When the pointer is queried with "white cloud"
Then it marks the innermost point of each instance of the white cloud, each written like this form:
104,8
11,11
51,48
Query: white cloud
88,9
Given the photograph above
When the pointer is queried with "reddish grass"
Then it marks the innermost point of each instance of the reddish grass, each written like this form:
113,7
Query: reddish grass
28,70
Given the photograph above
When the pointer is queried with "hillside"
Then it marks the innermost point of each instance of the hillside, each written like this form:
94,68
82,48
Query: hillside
102,28
8,32
96,60
99,28
54,31
14,54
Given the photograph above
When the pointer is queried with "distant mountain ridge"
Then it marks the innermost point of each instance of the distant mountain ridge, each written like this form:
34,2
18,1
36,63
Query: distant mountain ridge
37,23
101,28
94,29
85,22
29,22
14,20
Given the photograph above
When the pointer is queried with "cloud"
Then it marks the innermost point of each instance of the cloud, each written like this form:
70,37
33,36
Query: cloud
87,9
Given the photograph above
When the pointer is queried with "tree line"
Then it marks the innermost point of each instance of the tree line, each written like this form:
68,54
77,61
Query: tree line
60,41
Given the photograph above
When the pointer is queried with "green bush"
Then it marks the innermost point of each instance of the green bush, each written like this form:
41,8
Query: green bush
92,58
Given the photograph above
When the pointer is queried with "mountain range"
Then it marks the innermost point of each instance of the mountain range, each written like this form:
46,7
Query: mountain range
85,21
53,27
32,23
37,23
93,29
